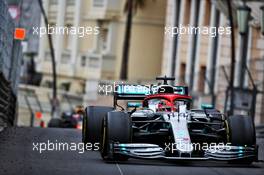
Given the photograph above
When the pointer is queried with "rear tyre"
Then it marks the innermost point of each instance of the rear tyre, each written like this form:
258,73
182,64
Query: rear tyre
55,123
241,133
116,128
92,120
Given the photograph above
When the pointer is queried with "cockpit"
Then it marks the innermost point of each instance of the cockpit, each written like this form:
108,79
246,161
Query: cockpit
166,104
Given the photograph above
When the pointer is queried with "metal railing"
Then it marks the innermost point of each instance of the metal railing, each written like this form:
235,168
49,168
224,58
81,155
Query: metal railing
32,99
254,77
260,131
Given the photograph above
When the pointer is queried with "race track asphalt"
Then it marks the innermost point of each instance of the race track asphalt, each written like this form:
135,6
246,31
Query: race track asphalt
18,157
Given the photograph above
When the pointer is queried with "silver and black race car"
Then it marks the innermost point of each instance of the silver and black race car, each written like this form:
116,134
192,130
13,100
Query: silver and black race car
162,125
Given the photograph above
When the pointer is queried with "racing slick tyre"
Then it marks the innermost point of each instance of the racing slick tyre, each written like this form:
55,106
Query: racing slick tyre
55,123
241,132
116,128
92,121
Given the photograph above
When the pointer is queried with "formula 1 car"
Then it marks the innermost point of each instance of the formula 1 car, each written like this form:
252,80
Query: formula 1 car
165,127
68,119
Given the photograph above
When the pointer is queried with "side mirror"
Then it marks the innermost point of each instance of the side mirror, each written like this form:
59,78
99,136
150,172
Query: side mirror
134,104
207,106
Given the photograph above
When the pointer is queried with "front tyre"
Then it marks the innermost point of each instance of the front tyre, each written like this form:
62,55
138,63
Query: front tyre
116,128
241,132
92,120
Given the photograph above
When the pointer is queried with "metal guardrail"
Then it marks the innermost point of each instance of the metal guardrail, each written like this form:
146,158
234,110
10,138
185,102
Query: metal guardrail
260,131
37,98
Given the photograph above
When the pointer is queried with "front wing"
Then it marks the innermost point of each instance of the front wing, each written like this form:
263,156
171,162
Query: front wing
152,151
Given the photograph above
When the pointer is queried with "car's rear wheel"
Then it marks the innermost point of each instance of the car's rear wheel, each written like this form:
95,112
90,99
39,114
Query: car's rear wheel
92,120
55,123
241,132
116,128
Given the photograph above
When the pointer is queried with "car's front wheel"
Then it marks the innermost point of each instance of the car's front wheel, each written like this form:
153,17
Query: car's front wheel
92,119
241,132
116,128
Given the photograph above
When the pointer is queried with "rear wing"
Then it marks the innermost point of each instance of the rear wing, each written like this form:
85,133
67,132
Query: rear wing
139,92
131,92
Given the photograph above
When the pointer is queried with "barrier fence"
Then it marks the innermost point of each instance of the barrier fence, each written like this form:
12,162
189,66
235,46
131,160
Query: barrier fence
10,63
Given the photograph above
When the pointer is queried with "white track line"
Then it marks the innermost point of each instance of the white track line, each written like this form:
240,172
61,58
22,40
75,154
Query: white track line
119,169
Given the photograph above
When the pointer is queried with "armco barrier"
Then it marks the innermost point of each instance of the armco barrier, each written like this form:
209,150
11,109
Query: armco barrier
260,131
